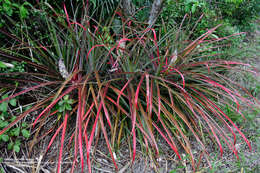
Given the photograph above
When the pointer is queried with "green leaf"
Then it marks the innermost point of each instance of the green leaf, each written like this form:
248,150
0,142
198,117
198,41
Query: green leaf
13,118
173,171
3,124
7,8
26,133
15,131
5,137
16,84
61,109
9,11
3,106
27,3
17,148
193,8
94,2
17,142
2,65
68,107
10,145
5,96
215,36
61,102
24,124
28,107
13,102
59,116
15,5
4,114
66,97
187,8
70,101
23,12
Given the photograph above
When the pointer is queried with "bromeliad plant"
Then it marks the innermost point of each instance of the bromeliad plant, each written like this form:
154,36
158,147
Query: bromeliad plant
99,79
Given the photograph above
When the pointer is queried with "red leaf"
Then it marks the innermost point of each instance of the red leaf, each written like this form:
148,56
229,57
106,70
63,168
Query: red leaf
165,138
54,136
134,144
67,16
92,132
136,102
155,42
107,141
225,89
159,101
98,45
27,90
147,92
90,108
79,117
122,90
183,81
120,41
85,29
52,104
104,107
211,103
62,142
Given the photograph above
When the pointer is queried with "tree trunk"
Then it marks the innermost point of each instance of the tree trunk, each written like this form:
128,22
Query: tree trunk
155,11
129,10
128,7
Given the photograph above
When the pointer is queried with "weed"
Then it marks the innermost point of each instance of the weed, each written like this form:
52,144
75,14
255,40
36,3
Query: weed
12,135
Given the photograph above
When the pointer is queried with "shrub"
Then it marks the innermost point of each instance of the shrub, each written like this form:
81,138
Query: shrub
235,16
239,13
137,80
